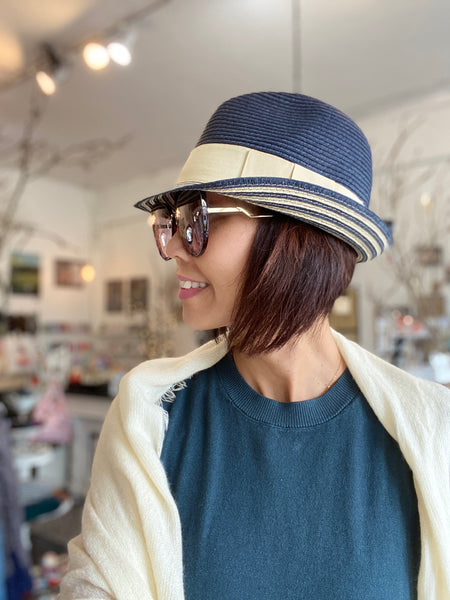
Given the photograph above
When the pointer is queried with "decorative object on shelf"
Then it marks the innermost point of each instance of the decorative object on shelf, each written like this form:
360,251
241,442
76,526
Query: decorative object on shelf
21,404
19,353
52,414
440,363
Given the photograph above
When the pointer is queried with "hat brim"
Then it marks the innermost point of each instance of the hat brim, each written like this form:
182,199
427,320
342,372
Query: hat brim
330,211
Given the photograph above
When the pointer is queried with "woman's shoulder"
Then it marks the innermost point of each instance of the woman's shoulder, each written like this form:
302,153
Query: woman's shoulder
379,380
165,372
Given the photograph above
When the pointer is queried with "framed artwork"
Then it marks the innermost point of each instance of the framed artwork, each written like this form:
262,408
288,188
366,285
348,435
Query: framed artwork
431,305
429,256
114,296
138,294
24,273
68,273
447,274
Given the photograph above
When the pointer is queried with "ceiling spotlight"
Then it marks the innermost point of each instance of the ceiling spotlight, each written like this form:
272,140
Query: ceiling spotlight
119,53
96,56
119,48
52,71
46,83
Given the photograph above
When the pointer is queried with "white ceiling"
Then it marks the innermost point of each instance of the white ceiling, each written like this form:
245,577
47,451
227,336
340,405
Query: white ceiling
190,55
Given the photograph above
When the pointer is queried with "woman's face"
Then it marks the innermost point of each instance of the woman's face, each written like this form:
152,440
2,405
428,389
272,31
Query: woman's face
209,282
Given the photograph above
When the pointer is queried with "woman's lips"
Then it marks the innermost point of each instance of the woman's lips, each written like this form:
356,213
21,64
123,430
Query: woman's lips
190,287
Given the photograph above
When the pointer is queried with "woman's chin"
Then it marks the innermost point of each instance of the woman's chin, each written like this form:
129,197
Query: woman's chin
202,322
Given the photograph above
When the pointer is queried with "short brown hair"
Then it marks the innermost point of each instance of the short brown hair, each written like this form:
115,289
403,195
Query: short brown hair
294,274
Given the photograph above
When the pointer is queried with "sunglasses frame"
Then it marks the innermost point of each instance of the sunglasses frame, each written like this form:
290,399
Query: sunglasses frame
206,210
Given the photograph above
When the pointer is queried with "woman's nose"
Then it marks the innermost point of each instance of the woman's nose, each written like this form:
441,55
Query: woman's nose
175,248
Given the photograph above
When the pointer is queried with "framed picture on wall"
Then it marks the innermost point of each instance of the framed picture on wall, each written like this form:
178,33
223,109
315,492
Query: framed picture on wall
68,273
24,273
429,256
138,294
114,296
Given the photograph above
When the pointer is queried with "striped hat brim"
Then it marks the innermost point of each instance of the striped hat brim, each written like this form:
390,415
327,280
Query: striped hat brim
292,189
357,225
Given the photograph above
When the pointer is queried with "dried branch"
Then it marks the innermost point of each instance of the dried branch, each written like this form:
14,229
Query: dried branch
23,166
84,155
28,230
399,185
400,142
30,159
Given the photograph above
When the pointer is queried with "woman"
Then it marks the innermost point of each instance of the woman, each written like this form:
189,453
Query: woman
280,461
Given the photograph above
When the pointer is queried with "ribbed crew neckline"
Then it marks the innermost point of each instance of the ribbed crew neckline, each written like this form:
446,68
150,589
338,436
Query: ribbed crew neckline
308,413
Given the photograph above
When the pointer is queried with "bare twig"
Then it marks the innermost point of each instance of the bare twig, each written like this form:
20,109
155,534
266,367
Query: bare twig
84,155
23,162
23,166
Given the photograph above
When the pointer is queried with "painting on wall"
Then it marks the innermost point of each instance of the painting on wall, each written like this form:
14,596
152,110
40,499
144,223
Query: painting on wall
138,294
429,256
68,273
24,273
114,296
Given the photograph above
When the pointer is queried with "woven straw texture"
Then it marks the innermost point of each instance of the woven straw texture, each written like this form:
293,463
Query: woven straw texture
298,128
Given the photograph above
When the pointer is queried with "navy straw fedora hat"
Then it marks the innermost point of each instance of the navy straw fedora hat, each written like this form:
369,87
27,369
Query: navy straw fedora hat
291,154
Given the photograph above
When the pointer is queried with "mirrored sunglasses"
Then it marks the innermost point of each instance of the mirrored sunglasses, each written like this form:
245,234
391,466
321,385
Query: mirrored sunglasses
191,219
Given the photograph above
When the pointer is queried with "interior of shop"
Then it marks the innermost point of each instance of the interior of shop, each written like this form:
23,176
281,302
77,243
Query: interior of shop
84,294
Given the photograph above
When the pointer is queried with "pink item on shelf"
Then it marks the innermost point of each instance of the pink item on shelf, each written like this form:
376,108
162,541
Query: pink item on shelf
52,413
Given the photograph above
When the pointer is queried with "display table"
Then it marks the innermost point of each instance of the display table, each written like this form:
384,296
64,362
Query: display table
27,459
87,413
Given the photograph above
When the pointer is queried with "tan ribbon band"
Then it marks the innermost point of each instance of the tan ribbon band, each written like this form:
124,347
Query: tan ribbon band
214,162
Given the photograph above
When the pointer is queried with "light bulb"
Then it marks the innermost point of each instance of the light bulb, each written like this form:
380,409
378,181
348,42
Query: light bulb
52,71
425,201
46,83
87,273
119,53
96,56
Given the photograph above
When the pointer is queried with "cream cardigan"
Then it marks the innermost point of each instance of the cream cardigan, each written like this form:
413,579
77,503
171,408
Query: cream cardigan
130,545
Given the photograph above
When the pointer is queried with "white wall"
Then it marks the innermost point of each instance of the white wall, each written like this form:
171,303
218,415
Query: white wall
124,248
56,210
423,166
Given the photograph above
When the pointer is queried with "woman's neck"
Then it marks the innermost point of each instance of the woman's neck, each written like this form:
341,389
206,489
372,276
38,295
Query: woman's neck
301,370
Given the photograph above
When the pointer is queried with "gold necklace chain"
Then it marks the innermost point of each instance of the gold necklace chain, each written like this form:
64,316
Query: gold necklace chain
334,378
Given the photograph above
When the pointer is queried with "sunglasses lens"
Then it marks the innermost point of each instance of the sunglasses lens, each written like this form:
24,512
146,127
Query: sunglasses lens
161,220
192,221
